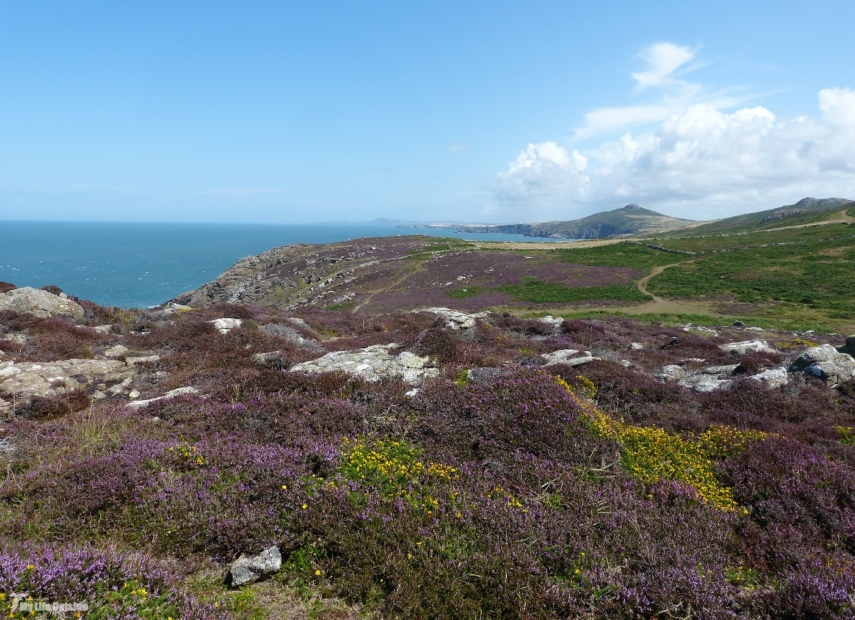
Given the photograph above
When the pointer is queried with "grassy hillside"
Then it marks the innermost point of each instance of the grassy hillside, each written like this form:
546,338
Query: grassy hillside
805,211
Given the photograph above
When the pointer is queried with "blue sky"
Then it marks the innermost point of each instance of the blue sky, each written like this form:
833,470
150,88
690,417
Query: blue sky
464,111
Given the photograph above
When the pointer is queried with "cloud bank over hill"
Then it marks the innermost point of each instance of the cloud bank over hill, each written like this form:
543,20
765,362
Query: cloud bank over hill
699,155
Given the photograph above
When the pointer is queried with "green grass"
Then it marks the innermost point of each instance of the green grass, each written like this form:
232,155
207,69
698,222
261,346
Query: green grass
537,292
628,254
695,319
818,276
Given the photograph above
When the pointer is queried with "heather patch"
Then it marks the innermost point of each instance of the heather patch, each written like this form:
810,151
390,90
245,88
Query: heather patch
93,584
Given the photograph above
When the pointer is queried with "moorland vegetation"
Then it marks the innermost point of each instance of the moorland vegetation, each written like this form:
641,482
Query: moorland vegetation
510,482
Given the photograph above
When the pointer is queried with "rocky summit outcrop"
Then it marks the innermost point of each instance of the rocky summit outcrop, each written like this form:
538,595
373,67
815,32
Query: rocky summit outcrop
826,363
372,364
39,303
249,569
25,380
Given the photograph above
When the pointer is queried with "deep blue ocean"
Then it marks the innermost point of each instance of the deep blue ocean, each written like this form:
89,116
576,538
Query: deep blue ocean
138,265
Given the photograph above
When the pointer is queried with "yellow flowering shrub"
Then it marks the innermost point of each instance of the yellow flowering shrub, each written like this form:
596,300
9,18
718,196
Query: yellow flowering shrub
652,454
391,465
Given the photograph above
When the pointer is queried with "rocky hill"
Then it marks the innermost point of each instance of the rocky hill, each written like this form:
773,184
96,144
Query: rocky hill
629,220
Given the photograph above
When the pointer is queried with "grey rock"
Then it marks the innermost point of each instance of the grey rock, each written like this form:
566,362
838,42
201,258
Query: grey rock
182,391
670,374
557,324
773,377
704,383
372,364
826,363
103,329
39,303
28,379
738,324
635,346
747,346
719,372
291,335
249,569
570,357
224,326
119,350
273,360
141,359
298,322
455,319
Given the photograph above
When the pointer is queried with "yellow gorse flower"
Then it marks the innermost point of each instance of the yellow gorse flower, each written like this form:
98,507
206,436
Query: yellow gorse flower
651,454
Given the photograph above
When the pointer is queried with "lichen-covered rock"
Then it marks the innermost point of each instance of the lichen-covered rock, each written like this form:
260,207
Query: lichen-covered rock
773,378
249,569
39,303
570,357
747,346
224,326
291,335
372,364
27,379
182,391
455,319
826,363
670,373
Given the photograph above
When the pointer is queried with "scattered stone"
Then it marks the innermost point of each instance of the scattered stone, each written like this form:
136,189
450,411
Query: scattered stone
291,335
746,346
738,324
39,303
249,569
224,326
134,394
754,329
137,404
119,350
103,329
275,360
411,393
142,359
372,364
849,347
625,363
670,374
28,379
773,378
826,363
635,346
455,319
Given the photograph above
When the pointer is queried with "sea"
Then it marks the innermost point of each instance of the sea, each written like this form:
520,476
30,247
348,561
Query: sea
140,265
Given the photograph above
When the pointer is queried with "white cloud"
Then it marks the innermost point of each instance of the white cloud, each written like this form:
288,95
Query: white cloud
700,163
663,59
669,95
457,148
